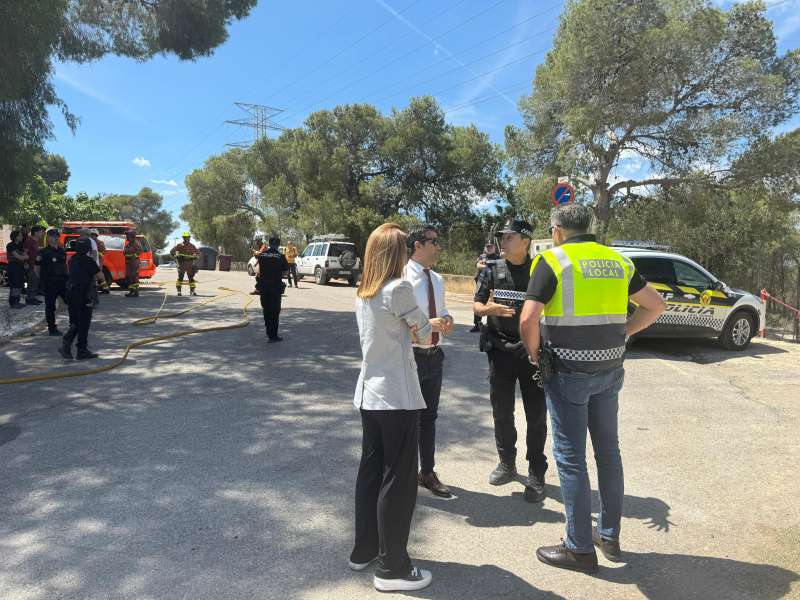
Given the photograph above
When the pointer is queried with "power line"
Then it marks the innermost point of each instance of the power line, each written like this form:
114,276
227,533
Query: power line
516,88
337,75
485,56
346,48
424,45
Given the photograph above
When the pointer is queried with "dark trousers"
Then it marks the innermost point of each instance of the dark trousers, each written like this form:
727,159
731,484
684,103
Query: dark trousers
271,303
430,364
505,369
33,284
53,289
292,275
16,281
80,318
386,489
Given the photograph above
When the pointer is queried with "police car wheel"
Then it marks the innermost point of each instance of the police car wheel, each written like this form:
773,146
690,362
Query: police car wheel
738,332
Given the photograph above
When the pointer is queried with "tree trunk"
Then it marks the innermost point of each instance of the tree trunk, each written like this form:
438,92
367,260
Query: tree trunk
602,212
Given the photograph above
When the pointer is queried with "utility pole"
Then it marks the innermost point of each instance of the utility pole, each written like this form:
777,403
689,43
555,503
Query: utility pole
259,119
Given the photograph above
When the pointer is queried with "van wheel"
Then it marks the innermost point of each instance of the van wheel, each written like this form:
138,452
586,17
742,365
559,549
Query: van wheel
320,277
738,332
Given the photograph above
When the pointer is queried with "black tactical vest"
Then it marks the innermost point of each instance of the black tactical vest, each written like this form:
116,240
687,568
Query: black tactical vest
509,289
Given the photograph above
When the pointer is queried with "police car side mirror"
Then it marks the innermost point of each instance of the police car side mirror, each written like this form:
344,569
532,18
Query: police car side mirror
719,286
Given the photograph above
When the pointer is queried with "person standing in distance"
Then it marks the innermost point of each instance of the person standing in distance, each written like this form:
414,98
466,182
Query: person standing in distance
581,290
132,249
423,247
507,279
32,244
291,257
82,273
51,266
489,253
102,284
389,399
17,258
272,268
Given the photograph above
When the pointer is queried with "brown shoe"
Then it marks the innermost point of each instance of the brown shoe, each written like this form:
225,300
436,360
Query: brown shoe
431,481
609,548
559,556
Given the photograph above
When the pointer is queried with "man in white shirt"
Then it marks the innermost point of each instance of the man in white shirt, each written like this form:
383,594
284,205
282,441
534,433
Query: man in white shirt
423,246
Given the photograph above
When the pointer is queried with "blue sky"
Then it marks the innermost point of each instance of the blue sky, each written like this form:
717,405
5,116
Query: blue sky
152,123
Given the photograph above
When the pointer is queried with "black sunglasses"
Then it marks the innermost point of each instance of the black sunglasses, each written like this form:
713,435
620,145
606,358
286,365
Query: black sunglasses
433,241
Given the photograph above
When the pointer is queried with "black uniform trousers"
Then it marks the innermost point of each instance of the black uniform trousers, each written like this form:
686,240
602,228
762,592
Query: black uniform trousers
271,304
505,369
386,489
80,318
430,367
53,289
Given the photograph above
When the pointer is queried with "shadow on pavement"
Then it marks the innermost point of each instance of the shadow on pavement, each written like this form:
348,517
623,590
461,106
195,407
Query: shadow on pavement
455,581
223,468
671,576
700,351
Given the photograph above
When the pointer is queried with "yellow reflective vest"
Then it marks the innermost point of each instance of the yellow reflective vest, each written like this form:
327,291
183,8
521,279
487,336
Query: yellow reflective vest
584,321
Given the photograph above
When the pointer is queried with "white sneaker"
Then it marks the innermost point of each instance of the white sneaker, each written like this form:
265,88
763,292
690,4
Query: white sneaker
360,566
416,580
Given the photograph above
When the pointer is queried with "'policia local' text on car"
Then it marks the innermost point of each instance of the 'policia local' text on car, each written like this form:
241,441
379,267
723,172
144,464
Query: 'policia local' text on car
698,304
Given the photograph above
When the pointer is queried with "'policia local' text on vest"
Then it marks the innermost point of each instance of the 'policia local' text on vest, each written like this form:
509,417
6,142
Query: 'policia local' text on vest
585,319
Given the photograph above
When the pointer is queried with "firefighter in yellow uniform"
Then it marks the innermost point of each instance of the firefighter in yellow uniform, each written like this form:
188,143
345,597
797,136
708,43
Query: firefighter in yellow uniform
186,254
132,250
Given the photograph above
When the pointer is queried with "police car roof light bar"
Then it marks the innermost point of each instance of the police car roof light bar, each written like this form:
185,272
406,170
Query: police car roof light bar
645,245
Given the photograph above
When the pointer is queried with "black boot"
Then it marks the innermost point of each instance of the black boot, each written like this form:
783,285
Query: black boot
534,487
503,473
53,331
65,350
85,354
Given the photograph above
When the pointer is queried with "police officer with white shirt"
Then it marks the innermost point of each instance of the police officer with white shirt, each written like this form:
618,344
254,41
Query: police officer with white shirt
423,247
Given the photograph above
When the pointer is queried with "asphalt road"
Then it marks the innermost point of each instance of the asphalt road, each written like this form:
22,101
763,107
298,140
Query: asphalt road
218,467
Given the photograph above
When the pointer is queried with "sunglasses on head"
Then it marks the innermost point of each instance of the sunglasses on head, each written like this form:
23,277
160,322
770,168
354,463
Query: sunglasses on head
553,228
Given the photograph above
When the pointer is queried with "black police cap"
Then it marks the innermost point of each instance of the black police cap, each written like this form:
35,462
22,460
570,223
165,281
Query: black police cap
82,246
517,226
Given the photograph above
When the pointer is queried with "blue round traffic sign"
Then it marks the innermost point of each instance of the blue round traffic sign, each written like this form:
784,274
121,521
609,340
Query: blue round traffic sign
562,193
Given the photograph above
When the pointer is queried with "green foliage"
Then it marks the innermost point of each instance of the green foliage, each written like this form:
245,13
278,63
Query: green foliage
222,207
680,84
350,169
144,209
35,32
51,205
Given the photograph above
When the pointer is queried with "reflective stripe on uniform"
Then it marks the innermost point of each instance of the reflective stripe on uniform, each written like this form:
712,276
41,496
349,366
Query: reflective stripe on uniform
590,355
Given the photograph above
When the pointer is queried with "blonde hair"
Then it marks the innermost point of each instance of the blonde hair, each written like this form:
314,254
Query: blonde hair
384,259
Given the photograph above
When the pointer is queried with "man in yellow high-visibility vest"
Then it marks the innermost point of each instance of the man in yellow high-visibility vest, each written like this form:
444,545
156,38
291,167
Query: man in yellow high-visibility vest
580,292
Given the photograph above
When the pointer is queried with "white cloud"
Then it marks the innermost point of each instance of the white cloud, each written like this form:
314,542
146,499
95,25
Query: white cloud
170,193
141,161
171,182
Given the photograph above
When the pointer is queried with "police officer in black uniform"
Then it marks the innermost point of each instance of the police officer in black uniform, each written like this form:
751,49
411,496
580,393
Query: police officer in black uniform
499,296
272,269
51,267
83,271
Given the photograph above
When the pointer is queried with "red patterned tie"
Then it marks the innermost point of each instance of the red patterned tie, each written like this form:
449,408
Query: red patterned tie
431,305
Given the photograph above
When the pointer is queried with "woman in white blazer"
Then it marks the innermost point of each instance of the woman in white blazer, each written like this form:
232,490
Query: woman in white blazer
388,397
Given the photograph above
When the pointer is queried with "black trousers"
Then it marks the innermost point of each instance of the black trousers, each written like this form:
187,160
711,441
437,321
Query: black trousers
430,363
271,304
80,319
53,289
292,275
386,489
505,369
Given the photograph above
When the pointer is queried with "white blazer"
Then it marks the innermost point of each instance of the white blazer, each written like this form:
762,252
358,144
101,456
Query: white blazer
388,379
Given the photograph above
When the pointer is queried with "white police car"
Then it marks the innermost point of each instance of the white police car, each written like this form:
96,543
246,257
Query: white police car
698,304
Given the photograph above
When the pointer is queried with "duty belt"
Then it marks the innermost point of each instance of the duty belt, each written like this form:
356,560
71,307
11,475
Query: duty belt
598,355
